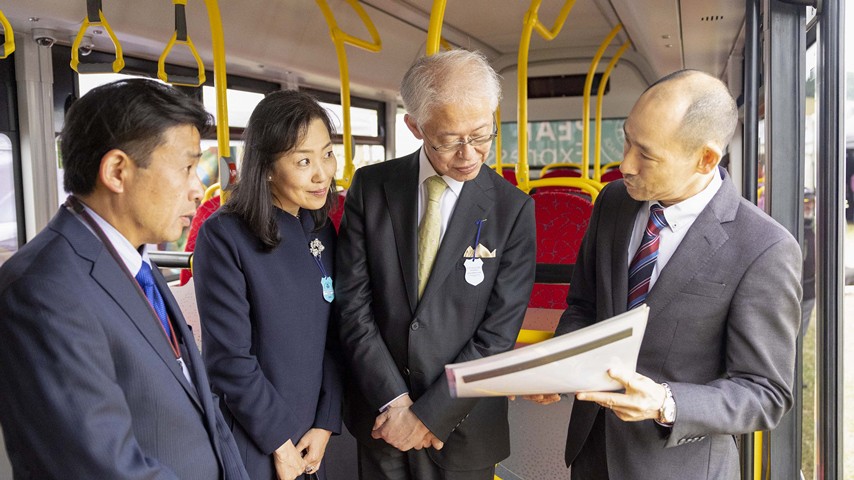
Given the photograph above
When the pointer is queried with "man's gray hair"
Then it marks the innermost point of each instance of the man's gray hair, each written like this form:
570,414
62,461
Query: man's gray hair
458,77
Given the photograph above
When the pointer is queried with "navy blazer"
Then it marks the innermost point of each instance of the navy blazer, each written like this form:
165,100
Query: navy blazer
395,343
89,386
264,328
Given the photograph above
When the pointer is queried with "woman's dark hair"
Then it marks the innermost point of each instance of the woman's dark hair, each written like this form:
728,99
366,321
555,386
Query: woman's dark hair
277,125
130,115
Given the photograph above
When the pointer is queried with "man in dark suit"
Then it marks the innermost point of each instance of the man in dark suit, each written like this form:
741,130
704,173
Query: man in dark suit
723,286
435,265
99,374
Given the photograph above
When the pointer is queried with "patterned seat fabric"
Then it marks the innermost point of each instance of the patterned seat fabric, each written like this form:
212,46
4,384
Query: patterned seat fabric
562,220
611,175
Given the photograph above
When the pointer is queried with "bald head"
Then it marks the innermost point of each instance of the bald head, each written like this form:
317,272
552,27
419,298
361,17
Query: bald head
707,112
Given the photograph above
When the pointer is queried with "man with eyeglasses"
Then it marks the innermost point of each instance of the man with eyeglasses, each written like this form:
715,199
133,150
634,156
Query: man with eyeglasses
436,257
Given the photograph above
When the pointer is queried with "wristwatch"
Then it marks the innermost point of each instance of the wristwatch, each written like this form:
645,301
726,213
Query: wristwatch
667,412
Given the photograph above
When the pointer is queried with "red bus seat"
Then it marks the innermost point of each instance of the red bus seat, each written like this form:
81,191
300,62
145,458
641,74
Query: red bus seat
204,211
611,175
338,210
562,220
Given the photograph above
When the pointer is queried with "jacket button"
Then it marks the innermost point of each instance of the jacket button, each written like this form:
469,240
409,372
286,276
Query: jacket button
406,371
415,325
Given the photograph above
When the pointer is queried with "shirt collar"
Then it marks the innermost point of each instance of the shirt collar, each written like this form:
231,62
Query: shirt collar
426,170
683,213
131,257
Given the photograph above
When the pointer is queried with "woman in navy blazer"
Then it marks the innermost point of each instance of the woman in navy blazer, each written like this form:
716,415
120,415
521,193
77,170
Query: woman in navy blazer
262,273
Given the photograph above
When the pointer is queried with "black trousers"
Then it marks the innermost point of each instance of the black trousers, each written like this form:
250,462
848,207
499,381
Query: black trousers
391,464
592,462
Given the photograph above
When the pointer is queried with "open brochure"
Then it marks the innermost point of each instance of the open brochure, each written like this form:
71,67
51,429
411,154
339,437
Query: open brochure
575,362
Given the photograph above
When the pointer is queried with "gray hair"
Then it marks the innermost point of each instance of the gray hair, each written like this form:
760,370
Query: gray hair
458,77
712,114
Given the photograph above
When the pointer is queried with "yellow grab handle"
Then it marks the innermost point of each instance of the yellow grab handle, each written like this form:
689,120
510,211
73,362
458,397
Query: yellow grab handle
182,37
9,44
530,23
95,18
339,39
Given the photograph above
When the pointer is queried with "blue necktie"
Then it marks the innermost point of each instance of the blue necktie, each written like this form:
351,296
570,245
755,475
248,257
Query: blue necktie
146,280
643,263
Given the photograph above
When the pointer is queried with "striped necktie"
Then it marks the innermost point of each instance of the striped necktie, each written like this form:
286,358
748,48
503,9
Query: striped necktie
643,262
430,230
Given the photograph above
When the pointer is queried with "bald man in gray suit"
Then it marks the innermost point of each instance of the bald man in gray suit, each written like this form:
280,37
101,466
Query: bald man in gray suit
723,288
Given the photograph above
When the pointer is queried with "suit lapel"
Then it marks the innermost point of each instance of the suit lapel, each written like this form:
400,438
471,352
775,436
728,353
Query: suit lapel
402,199
475,202
622,234
111,276
701,242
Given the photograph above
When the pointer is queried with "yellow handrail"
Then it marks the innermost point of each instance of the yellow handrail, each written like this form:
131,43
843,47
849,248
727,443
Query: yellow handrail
597,149
211,192
530,23
757,455
95,18
9,44
181,36
227,167
588,85
553,166
533,336
339,39
589,186
434,31
611,165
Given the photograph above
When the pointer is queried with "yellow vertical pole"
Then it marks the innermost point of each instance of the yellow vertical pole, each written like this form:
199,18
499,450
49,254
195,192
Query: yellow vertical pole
529,24
588,85
434,31
227,167
600,93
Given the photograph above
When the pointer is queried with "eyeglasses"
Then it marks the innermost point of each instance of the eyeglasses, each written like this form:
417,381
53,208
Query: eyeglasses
475,141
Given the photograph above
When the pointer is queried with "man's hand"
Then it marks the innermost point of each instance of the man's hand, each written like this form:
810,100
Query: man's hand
542,399
289,463
312,446
642,399
400,428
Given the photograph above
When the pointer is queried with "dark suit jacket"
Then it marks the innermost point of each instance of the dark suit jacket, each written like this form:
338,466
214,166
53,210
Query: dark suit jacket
394,343
89,386
723,320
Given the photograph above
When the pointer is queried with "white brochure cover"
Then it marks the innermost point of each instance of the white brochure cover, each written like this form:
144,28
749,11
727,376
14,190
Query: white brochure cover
575,362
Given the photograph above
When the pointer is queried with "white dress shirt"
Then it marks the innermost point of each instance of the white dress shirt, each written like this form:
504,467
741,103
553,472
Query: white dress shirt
679,217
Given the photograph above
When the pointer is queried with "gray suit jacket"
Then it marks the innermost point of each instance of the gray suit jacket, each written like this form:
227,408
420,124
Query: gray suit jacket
394,343
89,386
724,316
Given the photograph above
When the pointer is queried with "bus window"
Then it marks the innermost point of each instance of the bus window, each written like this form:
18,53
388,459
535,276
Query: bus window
240,104
8,211
404,141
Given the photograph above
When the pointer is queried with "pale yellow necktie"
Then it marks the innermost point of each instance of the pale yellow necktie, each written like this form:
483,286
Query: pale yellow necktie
430,230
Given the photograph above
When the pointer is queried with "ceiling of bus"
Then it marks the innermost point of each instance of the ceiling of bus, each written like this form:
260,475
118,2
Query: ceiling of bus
269,39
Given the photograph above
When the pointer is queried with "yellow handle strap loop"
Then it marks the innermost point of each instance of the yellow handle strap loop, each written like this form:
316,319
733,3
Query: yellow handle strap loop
9,44
95,18
182,37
